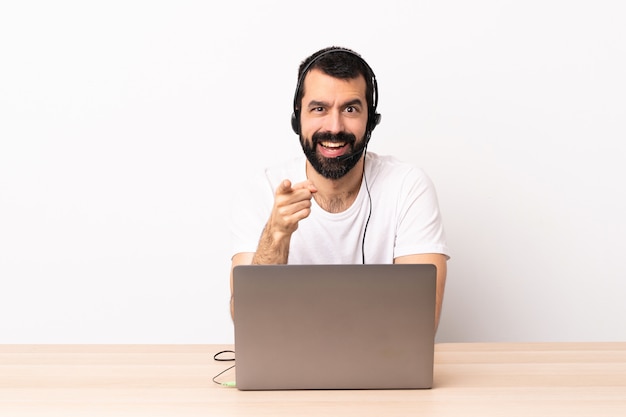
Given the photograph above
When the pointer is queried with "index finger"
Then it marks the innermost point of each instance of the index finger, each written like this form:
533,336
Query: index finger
284,187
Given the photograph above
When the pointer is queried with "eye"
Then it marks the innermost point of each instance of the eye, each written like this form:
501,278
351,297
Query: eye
353,110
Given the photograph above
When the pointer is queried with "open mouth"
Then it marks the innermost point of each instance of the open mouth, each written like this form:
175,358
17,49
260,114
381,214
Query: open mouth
330,145
332,149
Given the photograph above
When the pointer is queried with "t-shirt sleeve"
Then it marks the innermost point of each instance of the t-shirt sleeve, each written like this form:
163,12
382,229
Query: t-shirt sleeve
420,227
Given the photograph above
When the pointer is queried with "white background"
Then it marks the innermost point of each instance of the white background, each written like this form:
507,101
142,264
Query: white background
125,125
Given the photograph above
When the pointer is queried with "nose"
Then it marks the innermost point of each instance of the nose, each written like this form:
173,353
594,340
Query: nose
333,122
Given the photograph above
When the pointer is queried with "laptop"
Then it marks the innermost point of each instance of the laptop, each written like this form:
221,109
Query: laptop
334,326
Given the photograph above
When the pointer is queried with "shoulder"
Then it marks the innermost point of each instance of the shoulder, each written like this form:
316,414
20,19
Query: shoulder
392,168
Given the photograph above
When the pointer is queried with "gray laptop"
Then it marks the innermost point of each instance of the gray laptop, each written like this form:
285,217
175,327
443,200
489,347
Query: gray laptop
334,326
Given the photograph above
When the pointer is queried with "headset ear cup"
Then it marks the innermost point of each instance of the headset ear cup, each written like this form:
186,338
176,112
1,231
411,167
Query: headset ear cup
374,122
295,123
377,118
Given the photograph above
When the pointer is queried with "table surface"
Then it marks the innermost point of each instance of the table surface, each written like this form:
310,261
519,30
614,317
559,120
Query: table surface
471,379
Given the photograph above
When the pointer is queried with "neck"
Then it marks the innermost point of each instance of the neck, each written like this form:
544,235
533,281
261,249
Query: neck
337,195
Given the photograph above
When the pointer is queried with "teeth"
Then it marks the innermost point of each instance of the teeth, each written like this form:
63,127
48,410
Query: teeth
332,144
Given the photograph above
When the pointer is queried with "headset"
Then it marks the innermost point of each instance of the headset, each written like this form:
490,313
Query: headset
373,118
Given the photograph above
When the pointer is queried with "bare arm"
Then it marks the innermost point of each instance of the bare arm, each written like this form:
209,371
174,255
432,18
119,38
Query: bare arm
440,262
238,259
291,204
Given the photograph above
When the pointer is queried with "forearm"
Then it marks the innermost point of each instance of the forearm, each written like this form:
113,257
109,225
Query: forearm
273,248
441,285
440,262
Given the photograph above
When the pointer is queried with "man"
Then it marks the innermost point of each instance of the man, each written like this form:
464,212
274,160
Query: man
339,204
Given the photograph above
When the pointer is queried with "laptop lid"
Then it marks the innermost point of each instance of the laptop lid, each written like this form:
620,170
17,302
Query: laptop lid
334,326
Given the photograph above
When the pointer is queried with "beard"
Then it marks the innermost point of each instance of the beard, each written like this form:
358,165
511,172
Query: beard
333,168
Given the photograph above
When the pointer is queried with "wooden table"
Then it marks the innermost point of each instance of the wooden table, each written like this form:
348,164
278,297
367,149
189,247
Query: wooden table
471,379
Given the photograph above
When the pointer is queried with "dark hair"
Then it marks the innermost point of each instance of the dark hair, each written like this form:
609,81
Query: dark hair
340,63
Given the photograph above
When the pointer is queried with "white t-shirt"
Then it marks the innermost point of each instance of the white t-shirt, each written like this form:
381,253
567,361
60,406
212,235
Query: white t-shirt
405,217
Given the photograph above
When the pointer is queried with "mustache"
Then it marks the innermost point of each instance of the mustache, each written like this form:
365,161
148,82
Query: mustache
333,137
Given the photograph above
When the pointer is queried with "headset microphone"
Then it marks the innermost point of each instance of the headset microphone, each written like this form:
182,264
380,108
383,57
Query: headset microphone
356,154
349,156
